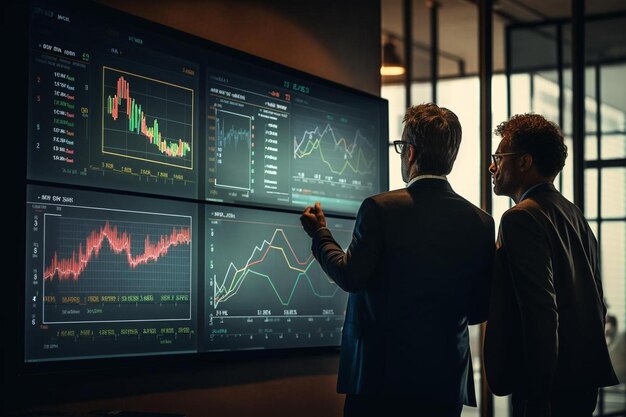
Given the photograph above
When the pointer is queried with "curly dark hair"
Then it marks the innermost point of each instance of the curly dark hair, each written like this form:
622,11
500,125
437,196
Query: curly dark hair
541,138
435,132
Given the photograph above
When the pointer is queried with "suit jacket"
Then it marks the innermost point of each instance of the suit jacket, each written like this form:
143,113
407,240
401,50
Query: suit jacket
547,314
418,272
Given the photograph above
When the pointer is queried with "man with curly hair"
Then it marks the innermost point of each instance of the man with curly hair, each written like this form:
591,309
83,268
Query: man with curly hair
545,340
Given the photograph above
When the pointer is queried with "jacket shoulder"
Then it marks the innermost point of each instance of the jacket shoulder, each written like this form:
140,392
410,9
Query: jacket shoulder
389,198
390,195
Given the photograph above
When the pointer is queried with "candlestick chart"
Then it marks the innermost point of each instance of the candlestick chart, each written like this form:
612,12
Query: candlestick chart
147,119
123,124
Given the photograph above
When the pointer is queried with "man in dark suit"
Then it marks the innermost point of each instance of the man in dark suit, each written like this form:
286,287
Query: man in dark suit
545,333
418,271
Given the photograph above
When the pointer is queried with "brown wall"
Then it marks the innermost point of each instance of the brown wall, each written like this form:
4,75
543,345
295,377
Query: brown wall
337,40
282,385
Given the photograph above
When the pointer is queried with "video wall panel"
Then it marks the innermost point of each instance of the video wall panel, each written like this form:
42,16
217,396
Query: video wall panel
165,178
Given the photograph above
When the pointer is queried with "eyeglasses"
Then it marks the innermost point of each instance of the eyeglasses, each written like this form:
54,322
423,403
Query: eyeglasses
497,157
400,144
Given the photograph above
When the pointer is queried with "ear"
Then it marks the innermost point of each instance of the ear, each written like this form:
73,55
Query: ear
412,154
525,162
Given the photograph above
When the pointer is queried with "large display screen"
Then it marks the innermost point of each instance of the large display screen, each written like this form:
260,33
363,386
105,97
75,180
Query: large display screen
108,275
282,141
264,289
164,182
110,107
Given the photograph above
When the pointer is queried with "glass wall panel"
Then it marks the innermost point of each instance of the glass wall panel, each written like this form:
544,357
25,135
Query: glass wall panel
545,100
461,96
520,93
605,38
421,92
395,175
613,246
613,146
568,99
591,193
613,94
498,100
613,119
396,97
590,101
532,48
566,183
591,147
613,197
500,204
594,227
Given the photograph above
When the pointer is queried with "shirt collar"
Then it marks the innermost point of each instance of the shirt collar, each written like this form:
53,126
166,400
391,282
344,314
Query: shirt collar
421,177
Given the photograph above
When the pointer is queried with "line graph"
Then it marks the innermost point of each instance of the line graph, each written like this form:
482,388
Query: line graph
337,153
88,254
334,161
264,289
108,276
235,277
119,243
147,119
260,260
233,162
103,265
